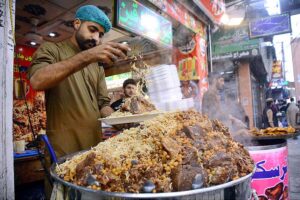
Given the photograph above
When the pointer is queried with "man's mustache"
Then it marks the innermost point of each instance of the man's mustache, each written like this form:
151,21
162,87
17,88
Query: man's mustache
92,41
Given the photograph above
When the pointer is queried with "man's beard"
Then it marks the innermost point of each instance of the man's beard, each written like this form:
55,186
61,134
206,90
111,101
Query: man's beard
83,43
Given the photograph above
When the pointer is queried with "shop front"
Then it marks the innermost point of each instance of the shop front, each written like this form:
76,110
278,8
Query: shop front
178,154
245,65
155,30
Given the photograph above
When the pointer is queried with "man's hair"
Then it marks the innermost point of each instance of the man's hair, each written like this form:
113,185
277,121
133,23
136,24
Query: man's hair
212,77
129,81
292,99
269,103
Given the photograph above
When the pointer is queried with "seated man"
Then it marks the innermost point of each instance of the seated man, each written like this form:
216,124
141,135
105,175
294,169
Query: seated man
129,88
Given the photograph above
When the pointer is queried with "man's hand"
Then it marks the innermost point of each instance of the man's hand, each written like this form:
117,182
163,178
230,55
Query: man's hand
106,111
108,53
237,123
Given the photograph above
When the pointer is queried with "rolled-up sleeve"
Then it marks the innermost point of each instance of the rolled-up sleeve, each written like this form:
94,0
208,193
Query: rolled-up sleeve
102,95
46,54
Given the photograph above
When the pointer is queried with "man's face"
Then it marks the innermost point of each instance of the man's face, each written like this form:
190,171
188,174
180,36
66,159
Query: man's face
130,90
220,83
88,34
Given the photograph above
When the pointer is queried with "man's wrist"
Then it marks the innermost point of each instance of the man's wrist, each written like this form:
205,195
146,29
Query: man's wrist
87,57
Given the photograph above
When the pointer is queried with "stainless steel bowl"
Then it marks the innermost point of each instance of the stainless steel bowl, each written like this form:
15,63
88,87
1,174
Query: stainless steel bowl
234,190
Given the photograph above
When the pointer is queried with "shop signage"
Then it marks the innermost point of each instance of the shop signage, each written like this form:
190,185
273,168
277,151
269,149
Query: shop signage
213,9
179,13
270,179
272,25
136,18
192,63
238,54
22,91
277,70
234,43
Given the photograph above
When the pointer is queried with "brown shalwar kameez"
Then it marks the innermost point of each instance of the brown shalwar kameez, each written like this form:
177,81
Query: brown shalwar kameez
73,105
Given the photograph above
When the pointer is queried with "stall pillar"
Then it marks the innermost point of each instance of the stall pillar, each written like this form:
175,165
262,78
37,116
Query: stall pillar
7,16
296,63
245,90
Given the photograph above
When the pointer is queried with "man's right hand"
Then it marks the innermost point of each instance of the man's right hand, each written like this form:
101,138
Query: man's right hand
108,53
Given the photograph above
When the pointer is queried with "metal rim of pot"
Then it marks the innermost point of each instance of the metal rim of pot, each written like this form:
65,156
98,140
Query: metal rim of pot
266,147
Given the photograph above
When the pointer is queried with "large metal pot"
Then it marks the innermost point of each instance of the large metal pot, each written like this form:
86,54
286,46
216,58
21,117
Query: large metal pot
234,190
270,158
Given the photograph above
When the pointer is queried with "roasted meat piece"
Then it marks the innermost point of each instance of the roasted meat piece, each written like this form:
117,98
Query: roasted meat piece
275,192
183,177
220,159
171,146
190,156
137,105
220,175
194,132
85,165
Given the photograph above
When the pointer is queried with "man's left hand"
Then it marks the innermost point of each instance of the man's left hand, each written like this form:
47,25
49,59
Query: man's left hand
106,111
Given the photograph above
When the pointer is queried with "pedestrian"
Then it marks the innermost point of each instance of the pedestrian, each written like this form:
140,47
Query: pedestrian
291,113
269,116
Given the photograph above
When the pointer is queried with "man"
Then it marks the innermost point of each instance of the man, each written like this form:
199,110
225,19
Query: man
291,113
211,105
211,102
129,89
74,84
269,116
235,108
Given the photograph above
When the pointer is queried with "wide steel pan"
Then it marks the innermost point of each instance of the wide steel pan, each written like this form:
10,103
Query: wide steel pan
276,137
234,190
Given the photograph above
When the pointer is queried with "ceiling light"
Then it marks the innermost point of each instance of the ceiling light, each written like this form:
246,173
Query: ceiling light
32,43
52,34
234,15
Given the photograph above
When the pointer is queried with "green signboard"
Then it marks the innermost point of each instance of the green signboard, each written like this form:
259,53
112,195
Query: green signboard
234,43
135,17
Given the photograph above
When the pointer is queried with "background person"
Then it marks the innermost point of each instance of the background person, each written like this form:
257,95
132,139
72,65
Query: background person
129,90
291,113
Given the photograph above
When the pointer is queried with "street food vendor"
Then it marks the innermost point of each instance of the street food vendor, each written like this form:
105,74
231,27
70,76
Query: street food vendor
74,83
129,89
211,102
212,105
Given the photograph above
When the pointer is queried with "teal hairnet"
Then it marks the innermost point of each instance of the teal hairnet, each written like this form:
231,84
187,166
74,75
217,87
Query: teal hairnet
94,14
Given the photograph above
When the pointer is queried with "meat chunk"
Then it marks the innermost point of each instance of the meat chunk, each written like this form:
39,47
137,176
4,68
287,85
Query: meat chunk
194,132
220,159
218,126
81,168
190,156
171,146
137,105
220,175
184,175
275,192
